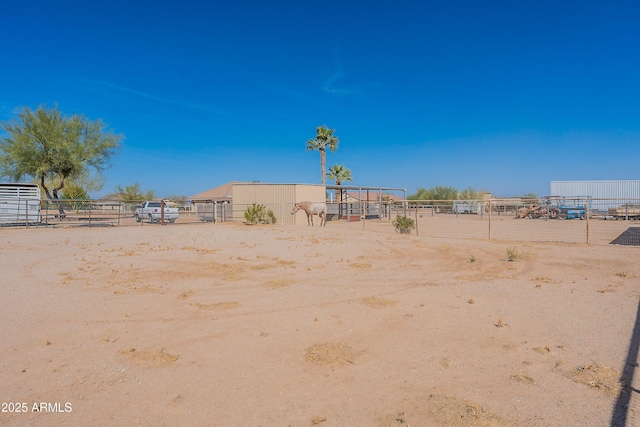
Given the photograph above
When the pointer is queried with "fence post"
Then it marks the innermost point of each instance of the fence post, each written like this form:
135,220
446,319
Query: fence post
586,216
26,211
490,219
417,233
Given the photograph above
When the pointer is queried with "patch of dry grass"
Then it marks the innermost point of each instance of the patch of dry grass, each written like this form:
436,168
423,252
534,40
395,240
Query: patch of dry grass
275,284
521,378
330,353
455,412
157,358
608,289
542,350
625,275
598,376
360,265
377,302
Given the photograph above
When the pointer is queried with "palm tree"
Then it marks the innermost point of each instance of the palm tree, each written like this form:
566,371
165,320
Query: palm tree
339,174
324,139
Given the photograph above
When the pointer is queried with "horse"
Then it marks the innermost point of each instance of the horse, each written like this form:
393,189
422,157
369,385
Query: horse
312,209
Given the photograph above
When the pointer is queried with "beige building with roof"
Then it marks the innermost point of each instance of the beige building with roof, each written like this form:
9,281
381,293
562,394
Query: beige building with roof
229,201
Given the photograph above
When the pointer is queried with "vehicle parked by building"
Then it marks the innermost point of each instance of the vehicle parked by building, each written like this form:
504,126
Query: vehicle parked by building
156,211
19,204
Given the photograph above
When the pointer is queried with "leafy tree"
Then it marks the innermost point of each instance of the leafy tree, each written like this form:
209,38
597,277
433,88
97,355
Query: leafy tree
133,193
80,187
46,145
74,191
325,139
421,194
445,193
435,193
77,195
471,193
180,200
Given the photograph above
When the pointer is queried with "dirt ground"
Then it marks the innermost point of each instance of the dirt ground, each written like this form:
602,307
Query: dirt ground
234,325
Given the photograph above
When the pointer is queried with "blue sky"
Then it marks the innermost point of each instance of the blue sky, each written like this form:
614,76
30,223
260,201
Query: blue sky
502,96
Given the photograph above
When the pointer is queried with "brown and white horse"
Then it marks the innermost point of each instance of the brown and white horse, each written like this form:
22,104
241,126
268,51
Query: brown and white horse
312,209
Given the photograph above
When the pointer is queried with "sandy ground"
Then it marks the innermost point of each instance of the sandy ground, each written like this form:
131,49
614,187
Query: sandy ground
233,325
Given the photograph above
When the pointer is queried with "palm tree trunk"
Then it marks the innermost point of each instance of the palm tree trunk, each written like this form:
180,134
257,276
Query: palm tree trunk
323,161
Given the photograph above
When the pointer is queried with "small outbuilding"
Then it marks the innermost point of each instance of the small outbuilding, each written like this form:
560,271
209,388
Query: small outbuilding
228,202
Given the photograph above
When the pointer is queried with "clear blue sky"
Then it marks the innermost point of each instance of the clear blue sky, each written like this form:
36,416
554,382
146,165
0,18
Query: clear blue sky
502,96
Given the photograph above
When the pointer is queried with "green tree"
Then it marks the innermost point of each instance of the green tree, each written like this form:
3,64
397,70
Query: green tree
133,193
325,139
471,193
46,145
421,194
76,193
339,174
438,192
445,193
80,187
180,200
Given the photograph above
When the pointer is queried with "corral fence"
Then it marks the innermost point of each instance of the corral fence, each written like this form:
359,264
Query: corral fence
556,219
575,220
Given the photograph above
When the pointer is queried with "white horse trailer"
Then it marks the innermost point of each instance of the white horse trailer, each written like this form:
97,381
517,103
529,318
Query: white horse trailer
19,203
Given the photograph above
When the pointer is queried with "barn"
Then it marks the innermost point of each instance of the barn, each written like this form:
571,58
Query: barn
229,201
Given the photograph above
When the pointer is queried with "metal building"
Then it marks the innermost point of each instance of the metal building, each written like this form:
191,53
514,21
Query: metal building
605,194
228,202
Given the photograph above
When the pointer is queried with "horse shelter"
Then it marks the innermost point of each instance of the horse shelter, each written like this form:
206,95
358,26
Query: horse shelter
228,202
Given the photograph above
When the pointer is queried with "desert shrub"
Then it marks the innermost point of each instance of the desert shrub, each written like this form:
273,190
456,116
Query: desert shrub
404,224
513,254
271,216
259,214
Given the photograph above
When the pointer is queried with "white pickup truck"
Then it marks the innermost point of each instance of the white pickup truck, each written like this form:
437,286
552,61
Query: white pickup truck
152,211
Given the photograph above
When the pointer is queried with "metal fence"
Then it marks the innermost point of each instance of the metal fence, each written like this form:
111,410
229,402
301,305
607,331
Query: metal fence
590,221
575,220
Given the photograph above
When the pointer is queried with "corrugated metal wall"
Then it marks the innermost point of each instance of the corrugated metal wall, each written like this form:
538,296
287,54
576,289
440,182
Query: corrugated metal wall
277,197
617,190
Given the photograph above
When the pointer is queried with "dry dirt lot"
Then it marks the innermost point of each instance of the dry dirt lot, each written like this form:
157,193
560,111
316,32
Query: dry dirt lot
233,325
